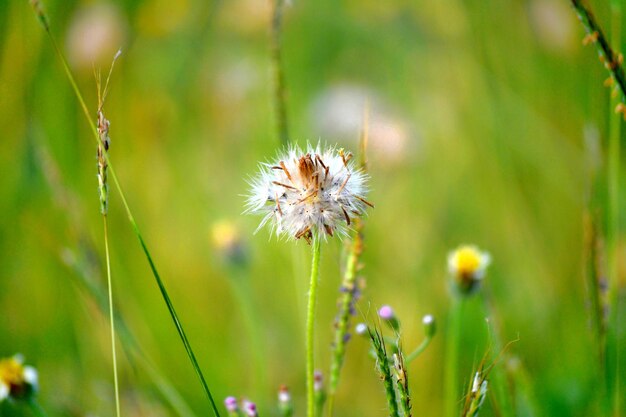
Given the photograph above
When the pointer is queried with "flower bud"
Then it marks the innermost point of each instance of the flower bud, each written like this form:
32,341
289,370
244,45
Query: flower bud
388,316
361,329
231,406
430,326
285,405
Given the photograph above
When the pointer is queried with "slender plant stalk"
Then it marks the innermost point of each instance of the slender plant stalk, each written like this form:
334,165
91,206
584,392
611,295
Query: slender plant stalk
613,62
103,192
348,295
613,373
451,371
166,298
86,277
86,281
418,351
349,288
111,315
310,324
280,99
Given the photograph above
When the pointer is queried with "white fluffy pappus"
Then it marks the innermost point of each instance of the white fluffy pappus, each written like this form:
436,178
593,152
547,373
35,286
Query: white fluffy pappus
301,193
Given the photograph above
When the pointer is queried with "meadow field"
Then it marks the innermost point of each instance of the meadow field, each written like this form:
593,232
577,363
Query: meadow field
489,123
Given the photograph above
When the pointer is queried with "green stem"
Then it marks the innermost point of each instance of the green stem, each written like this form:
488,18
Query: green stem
131,219
418,351
111,315
310,325
36,408
451,372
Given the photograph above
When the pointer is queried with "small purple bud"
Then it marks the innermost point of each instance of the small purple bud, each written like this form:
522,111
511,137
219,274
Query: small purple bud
318,380
347,337
231,404
250,409
386,312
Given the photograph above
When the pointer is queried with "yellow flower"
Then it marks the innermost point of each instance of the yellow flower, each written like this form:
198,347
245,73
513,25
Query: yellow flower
467,265
16,380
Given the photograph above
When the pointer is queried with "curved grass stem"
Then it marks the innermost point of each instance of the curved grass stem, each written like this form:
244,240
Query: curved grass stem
418,351
310,325
166,298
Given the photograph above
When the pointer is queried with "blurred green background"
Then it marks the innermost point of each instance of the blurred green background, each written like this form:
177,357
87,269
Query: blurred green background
486,117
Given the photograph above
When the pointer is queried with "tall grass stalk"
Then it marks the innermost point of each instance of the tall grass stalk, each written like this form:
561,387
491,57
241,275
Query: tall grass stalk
615,134
347,299
451,365
349,285
192,357
103,191
613,62
280,94
111,315
310,324
86,277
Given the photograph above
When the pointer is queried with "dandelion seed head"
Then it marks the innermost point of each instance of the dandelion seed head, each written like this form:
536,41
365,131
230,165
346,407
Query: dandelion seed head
301,193
467,265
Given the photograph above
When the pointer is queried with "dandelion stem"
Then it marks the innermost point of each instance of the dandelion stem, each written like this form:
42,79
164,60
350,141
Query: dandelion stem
451,372
131,219
310,324
111,314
